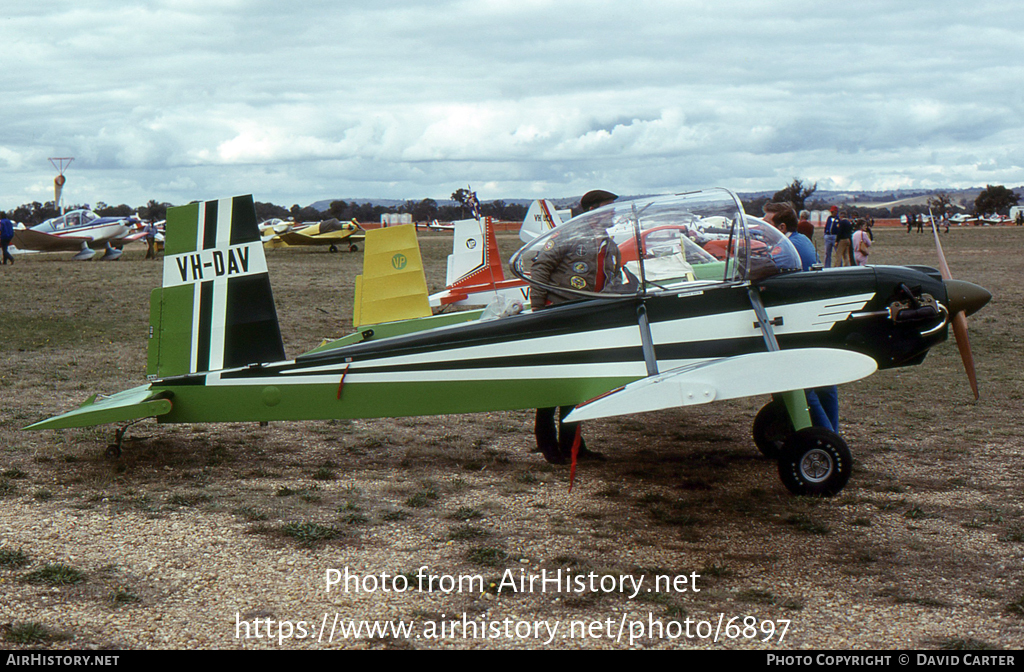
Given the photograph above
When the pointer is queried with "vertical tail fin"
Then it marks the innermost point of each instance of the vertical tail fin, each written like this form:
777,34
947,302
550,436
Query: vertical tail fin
215,309
475,259
392,286
541,218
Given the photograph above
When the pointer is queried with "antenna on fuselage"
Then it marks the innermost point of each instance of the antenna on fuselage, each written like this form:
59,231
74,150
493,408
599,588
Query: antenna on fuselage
60,163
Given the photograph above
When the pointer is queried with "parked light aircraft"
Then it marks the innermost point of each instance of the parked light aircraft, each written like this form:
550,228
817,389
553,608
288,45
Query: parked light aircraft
435,225
81,230
652,341
330,232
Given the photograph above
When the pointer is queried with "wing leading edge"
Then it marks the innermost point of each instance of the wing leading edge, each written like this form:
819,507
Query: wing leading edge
730,378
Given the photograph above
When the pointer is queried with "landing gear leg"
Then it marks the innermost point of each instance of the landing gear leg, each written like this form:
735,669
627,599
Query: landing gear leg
812,460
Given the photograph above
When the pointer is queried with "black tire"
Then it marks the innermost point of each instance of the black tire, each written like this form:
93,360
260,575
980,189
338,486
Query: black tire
815,462
353,248
332,248
771,428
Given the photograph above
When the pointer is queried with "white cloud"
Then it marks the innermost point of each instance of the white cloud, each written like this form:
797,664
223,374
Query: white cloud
176,100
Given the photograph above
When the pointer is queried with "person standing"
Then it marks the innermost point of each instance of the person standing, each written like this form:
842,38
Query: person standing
844,242
6,236
589,265
150,231
783,217
831,227
861,243
806,228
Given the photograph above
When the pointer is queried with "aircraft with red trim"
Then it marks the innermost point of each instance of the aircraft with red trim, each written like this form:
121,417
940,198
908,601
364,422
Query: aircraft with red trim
81,230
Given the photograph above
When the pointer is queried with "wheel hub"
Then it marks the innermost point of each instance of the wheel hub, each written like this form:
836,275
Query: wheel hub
816,465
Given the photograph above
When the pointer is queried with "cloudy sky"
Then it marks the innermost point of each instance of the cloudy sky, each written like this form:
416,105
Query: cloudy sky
177,100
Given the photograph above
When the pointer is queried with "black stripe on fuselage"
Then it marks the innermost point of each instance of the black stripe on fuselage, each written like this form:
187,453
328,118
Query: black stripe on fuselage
584,320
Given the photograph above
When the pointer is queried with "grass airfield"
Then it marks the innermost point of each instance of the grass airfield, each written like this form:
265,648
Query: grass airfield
195,527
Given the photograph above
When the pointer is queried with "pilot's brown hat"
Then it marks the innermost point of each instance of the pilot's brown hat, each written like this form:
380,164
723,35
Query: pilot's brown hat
594,198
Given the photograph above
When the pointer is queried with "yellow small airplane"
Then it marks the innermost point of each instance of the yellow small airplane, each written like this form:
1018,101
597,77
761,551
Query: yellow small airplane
329,232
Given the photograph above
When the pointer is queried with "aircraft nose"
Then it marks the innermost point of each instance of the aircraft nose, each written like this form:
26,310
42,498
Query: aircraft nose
965,296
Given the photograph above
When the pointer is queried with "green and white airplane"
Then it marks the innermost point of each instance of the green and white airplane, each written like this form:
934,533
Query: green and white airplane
680,329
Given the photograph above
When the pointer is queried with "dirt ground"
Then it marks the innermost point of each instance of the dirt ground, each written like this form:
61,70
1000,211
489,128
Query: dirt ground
225,536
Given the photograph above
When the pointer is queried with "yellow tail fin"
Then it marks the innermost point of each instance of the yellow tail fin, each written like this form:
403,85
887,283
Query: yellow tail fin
392,286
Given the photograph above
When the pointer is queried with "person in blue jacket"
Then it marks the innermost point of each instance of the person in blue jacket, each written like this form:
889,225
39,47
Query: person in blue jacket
822,402
6,236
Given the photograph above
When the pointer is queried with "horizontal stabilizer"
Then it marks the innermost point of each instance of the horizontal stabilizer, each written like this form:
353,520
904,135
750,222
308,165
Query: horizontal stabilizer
133,404
730,378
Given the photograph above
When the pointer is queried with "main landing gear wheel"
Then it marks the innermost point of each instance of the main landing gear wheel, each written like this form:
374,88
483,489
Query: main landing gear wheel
353,248
332,248
771,427
816,462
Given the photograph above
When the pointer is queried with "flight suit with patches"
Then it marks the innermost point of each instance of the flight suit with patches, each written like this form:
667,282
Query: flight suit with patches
588,264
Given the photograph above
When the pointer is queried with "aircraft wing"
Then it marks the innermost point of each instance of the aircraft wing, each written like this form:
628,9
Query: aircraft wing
730,378
133,404
27,239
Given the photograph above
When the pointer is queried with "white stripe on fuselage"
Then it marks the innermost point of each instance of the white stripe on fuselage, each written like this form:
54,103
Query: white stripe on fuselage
448,364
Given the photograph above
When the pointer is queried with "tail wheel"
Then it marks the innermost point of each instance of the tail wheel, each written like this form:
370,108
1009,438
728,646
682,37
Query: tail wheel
771,428
816,462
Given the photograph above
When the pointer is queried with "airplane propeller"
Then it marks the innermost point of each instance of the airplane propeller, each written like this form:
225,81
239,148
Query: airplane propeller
965,298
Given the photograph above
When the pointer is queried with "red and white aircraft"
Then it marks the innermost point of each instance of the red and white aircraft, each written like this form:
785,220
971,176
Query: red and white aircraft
81,230
475,274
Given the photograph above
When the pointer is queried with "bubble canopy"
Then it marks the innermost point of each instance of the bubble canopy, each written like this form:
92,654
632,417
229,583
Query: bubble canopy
661,244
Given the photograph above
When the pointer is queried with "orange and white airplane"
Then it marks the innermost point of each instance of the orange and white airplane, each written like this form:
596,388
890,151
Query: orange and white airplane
475,273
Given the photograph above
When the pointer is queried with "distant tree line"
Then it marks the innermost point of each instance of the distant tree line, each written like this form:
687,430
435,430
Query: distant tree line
994,199
426,210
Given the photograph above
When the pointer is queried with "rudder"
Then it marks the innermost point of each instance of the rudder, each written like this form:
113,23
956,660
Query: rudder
215,308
